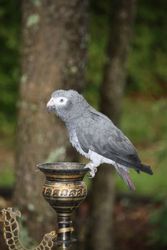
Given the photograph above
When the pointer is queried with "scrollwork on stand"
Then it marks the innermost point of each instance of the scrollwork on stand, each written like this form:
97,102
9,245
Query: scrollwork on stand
11,232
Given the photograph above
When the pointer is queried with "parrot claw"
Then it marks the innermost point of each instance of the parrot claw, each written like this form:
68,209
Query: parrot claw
92,171
91,174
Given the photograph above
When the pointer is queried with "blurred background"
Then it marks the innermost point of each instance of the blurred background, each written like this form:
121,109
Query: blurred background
115,53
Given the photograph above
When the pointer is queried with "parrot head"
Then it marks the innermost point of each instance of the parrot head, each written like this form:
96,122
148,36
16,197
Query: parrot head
67,104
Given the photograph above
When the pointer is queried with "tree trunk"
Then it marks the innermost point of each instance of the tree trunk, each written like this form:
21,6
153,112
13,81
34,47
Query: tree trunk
118,48
111,99
53,57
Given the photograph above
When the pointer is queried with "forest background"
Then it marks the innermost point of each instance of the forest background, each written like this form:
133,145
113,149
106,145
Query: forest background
143,115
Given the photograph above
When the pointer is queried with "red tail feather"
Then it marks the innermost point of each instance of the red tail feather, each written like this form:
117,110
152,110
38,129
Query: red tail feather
125,176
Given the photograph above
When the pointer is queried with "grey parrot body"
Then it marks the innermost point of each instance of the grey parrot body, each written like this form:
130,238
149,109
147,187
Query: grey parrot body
95,136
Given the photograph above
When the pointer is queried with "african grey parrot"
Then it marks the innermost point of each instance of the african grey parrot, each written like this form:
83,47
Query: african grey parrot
95,136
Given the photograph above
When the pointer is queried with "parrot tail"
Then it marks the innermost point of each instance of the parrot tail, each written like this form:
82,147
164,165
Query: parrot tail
145,168
123,173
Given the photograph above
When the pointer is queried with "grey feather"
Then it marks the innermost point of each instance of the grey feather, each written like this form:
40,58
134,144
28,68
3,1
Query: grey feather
106,139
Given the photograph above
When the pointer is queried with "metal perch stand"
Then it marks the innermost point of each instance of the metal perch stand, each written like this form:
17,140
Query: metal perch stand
64,190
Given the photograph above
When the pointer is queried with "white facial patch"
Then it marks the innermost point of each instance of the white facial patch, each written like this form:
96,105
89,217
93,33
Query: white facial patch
57,101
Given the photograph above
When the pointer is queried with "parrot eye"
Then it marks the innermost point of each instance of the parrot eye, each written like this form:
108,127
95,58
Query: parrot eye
61,101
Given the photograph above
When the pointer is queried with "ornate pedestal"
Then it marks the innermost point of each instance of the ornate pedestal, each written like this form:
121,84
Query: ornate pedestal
64,190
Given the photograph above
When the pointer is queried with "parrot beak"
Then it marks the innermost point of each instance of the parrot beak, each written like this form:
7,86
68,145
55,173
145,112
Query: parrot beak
51,105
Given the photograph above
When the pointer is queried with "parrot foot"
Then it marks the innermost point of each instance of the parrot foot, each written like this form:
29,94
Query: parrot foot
92,168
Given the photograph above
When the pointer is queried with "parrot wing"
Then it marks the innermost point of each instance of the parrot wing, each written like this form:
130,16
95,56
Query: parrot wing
96,132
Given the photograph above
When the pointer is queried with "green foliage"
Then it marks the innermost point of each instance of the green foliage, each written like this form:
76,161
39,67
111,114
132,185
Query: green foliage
9,60
147,60
147,72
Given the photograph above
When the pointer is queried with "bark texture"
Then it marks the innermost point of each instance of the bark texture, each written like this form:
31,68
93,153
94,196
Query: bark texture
53,57
111,98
